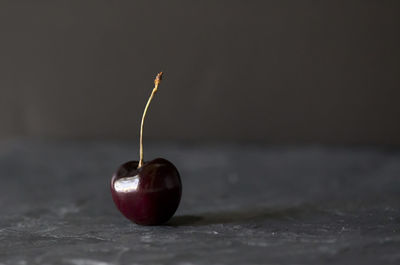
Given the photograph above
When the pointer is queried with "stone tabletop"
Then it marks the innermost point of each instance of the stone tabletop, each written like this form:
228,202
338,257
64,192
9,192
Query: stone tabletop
241,204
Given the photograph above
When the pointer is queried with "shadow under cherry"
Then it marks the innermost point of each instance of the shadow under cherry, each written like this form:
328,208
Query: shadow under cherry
244,215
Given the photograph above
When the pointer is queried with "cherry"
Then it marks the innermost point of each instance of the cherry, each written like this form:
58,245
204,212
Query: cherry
147,193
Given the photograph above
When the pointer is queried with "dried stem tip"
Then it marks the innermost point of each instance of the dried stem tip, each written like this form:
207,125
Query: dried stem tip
158,78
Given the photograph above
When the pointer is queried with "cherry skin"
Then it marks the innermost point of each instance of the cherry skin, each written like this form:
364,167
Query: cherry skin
148,195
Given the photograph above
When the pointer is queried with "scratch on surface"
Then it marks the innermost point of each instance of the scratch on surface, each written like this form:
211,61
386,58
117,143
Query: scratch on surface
87,262
76,237
120,253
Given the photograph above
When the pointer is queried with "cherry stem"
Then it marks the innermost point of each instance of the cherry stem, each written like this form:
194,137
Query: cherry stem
156,83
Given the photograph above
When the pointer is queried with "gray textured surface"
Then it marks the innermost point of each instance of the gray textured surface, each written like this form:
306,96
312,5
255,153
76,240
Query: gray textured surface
241,205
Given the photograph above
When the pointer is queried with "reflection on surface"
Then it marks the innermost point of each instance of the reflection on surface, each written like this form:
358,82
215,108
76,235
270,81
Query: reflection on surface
126,184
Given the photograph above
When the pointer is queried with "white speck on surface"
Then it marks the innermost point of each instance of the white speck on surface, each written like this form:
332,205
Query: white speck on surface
146,238
68,209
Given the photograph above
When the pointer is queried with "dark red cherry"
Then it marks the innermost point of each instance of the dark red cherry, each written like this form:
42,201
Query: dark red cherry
148,195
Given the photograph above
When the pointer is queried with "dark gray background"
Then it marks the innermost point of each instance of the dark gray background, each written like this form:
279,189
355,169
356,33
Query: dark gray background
269,71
